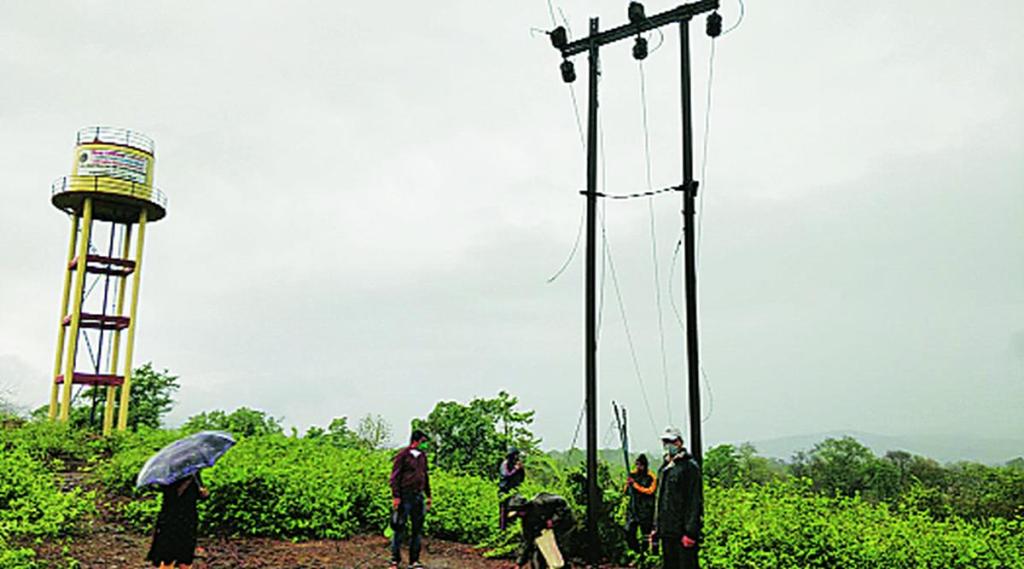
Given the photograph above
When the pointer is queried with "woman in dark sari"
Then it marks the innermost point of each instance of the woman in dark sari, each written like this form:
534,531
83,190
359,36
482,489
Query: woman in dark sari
174,540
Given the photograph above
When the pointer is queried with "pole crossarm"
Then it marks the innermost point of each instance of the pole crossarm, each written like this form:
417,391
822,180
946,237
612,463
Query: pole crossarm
678,14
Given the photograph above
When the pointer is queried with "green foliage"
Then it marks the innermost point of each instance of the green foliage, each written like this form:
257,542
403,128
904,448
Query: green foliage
150,399
31,503
12,557
55,444
787,524
331,484
132,450
847,467
474,438
242,422
374,431
726,465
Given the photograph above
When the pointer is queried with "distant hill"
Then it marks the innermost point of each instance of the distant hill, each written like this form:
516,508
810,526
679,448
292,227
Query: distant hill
941,448
945,449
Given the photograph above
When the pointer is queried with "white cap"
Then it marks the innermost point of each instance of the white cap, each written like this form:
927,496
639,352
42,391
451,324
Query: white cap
672,434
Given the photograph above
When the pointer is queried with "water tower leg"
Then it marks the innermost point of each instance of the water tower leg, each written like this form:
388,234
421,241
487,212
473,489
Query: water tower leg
58,358
76,310
122,415
122,284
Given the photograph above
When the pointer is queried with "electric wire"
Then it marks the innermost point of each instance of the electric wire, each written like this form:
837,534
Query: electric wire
625,325
575,247
654,239
602,212
607,262
583,144
579,423
635,195
608,434
700,210
743,12
703,177
704,152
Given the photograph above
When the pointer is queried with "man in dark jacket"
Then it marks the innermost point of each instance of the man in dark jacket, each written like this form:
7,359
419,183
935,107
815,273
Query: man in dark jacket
544,511
640,486
680,508
410,482
511,474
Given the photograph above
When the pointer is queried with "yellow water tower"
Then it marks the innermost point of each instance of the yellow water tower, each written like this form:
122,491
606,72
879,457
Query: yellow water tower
111,184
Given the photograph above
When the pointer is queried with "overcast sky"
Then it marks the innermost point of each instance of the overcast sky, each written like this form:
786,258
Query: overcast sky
366,201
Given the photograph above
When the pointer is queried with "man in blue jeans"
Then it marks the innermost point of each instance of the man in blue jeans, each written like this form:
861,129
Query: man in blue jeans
410,483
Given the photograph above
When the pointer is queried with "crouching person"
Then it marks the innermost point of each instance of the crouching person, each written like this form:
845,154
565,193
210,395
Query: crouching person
543,512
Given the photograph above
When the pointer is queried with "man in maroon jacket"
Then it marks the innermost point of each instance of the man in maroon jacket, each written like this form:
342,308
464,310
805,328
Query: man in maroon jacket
410,482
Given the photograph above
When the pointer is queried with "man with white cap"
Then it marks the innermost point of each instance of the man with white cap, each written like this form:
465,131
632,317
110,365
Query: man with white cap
680,511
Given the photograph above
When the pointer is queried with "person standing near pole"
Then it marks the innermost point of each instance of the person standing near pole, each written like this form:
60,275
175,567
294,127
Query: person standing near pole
680,509
640,486
511,474
411,499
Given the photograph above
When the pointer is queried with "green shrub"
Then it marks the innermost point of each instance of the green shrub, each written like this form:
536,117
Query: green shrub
31,502
788,525
53,443
16,557
306,488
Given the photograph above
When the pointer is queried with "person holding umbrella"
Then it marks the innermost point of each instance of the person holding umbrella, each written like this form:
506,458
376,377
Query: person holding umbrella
174,539
175,470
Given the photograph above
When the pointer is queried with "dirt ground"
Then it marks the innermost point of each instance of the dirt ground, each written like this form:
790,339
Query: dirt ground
105,544
108,546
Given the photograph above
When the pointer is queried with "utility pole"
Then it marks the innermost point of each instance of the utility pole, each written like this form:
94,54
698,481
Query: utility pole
638,23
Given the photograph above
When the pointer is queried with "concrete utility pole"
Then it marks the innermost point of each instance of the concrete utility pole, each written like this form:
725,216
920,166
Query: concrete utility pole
638,23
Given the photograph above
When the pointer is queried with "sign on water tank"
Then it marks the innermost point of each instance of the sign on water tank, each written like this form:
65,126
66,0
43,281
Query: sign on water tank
113,163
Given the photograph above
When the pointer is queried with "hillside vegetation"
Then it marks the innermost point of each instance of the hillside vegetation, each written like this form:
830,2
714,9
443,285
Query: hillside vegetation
835,505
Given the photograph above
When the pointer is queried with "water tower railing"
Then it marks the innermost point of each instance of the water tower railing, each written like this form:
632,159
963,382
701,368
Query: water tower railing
108,185
113,135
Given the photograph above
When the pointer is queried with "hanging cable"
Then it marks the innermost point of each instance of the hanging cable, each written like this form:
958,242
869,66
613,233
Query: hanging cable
654,240
579,423
704,156
743,12
711,396
629,334
575,247
602,211
583,144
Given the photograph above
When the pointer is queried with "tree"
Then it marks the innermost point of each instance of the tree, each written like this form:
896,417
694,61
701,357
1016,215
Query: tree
836,465
722,466
150,399
475,437
374,431
756,469
242,422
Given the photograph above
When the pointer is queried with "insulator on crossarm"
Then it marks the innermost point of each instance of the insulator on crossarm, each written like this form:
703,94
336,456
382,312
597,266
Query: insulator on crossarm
714,27
568,71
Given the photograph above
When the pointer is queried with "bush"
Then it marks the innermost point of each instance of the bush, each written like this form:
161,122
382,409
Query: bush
242,422
308,488
31,502
788,525
16,557
53,443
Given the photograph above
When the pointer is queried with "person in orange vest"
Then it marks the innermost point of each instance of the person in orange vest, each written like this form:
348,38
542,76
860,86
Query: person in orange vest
640,486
